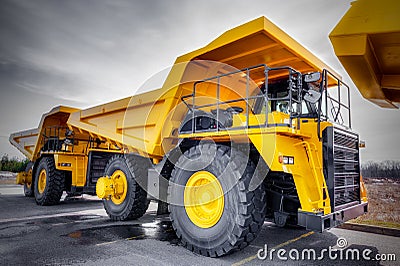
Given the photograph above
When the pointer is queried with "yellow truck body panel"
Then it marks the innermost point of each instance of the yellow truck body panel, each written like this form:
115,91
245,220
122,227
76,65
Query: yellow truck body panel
29,142
367,42
146,123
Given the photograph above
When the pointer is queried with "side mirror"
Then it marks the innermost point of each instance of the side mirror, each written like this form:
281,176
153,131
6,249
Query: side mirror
312,96
361,144
312,77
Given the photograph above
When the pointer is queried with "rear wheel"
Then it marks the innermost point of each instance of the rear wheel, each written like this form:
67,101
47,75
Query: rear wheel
213,211
129,200
28,188
49,183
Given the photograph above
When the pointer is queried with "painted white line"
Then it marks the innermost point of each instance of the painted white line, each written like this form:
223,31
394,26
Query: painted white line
107,243
80,221
120,240
100,212
254,246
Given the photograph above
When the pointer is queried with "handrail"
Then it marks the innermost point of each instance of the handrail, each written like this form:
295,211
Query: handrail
337,104
295,84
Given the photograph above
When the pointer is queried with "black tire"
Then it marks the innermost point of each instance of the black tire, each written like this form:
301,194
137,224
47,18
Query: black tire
28,187
28,190
135,204
244,210
54,183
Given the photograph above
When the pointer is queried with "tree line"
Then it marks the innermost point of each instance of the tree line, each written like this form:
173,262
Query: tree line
13,164
385,169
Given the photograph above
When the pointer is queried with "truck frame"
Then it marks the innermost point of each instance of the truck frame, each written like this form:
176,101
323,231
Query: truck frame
250,126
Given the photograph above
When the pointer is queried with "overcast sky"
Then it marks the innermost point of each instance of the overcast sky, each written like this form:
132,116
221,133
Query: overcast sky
84,53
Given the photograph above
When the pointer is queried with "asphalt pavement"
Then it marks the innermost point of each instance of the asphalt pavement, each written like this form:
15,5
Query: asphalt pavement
78,232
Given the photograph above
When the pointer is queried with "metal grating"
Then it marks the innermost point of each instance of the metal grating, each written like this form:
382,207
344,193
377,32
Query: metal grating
346,169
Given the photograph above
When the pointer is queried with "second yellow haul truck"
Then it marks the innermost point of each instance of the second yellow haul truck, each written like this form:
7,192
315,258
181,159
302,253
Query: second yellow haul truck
249,126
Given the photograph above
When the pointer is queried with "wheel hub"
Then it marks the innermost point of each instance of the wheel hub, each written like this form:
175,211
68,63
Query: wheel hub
42,181
114,187
204,199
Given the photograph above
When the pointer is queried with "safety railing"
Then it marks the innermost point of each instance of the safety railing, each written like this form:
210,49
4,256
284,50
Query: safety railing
56,138
334,105
293,96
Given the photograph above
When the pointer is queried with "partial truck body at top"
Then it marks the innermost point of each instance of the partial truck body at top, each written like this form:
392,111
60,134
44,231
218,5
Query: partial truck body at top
367,42
250,126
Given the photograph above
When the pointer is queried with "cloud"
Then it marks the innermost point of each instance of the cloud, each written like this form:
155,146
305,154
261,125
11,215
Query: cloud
84,53
72,51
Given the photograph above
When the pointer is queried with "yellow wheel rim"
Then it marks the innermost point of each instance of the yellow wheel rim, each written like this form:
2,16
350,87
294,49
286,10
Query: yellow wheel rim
42,181
204,199
120,187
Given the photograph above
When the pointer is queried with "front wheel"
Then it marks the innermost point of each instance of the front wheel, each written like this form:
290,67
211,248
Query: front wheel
212,209
129,200
49,182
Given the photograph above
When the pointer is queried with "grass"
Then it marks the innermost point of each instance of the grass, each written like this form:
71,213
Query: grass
7,182
379,223
383,203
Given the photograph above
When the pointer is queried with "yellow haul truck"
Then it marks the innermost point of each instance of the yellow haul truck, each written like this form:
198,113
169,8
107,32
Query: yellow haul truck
250,126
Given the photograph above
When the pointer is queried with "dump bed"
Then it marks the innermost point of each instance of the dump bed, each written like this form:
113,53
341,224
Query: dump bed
367,43
31,141
148,123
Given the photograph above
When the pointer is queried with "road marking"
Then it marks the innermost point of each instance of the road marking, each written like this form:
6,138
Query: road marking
107,243
81,221
86,212
254,246
248,259
119,240
134,237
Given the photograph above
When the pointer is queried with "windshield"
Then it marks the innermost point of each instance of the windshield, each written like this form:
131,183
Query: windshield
278,91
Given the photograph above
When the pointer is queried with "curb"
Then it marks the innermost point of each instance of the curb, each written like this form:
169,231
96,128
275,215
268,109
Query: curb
371,229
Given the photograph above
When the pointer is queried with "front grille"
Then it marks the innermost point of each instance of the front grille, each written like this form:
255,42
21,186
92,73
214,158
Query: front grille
342,167
97,163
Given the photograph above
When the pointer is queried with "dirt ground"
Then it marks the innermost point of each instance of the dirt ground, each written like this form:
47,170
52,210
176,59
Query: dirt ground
383,199
7,178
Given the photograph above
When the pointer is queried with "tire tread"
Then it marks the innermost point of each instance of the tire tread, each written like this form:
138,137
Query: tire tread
251,209
54,184
138,204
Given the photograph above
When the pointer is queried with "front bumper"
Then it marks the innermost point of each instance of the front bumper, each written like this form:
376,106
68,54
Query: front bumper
320,223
